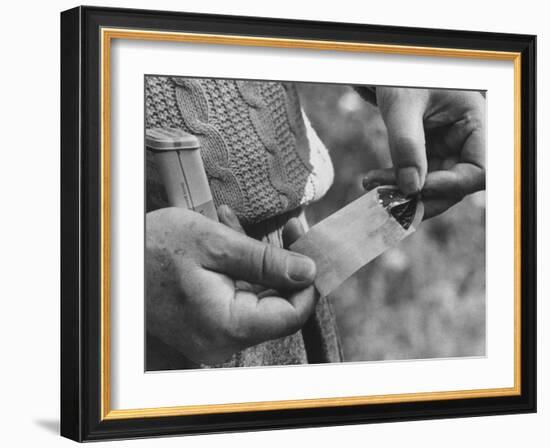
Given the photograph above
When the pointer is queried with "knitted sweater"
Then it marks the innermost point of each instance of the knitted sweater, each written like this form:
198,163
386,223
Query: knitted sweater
261,155
262,158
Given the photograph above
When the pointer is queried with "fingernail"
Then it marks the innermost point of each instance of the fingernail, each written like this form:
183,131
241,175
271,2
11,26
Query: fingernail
300,268
408,180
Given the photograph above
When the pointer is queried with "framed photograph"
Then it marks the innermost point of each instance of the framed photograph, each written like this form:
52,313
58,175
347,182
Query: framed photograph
276,224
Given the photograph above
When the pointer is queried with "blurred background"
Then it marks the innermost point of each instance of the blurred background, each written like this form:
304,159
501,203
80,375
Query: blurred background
424,298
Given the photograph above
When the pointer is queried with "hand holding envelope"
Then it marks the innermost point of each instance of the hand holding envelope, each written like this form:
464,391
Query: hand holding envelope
353,236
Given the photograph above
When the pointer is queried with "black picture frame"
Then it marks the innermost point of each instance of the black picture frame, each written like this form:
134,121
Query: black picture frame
81,224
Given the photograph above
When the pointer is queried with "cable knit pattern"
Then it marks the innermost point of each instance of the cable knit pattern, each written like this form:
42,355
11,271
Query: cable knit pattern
195,114
260,157
261,118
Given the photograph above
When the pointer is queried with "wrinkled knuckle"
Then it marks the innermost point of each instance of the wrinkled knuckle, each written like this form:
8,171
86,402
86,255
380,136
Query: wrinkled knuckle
261,260
472,121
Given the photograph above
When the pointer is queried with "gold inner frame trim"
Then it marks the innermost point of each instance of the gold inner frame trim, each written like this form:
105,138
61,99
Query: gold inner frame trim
107,35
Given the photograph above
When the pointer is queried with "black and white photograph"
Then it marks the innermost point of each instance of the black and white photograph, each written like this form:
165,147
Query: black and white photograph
292,223
272,223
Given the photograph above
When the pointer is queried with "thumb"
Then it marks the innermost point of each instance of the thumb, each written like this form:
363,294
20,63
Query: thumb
244,258
402,111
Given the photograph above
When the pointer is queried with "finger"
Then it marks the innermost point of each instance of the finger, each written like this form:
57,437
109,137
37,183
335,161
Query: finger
460,180
375,178
434,207
473,148
292,230
228,217
472,157
403,111
244,258
271,317
468,174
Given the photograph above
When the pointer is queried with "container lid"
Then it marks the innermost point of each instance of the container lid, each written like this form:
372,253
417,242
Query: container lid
170,139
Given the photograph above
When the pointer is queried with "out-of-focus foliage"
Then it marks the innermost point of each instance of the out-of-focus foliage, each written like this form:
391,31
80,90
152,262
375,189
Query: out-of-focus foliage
424,298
